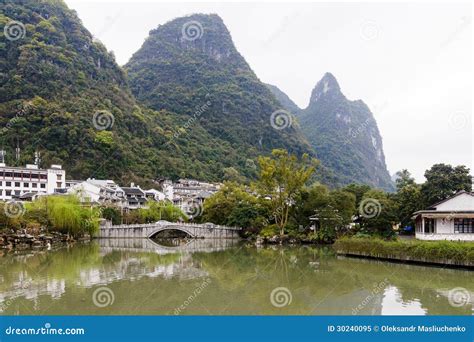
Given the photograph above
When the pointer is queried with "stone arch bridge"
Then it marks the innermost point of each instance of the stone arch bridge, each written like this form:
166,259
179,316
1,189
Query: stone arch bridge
205,231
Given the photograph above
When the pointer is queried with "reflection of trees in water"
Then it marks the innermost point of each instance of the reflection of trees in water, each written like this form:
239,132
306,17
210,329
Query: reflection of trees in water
242,279
316,279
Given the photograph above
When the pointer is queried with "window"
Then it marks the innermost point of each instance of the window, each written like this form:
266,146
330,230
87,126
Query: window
17,192
17,184
26,185
43,186
8,192
59,177
8,183
58,184
430,225
465,225
17,175
34,185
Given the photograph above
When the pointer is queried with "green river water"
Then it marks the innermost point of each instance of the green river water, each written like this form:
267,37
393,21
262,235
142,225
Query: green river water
222,277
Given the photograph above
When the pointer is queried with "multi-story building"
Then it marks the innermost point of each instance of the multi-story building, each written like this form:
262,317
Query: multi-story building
134,196
16,181
99,191
191,187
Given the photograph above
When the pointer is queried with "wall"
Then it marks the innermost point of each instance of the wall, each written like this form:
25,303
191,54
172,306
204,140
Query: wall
450,237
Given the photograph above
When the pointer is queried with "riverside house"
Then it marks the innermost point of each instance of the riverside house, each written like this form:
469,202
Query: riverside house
451,219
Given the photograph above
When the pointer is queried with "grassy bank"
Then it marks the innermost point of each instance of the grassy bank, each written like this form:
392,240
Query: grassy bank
438,252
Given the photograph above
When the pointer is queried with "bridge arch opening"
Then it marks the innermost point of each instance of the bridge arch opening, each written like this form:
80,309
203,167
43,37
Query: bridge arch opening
170,234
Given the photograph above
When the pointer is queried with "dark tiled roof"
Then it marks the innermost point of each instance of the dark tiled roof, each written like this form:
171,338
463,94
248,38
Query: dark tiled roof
133,191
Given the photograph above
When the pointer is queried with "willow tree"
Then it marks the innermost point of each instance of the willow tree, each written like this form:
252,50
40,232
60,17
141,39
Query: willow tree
282,176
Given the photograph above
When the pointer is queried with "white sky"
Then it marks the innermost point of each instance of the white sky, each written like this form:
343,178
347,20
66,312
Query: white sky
411,63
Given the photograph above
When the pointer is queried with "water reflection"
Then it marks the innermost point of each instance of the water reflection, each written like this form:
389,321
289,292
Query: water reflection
150,277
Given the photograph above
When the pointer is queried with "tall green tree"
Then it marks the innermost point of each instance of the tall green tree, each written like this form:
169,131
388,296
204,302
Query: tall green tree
408,197
404,178
282,176
358,190
234,205
444,180
378,213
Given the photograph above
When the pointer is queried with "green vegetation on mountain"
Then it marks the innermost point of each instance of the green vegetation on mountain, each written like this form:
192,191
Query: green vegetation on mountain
343,133
180,72
62,94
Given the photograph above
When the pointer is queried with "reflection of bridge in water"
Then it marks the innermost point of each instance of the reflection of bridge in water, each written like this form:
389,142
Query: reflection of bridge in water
148,245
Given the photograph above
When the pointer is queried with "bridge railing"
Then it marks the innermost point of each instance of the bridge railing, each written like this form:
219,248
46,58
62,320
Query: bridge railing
152,225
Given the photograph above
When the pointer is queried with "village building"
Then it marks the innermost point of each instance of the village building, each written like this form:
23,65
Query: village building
134,196
451,219
98,191
17,181
154,195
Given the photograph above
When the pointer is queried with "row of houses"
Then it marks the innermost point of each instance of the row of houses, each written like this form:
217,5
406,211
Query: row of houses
30,182
450,219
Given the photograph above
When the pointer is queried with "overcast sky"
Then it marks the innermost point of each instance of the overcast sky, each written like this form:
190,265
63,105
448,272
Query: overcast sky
411,63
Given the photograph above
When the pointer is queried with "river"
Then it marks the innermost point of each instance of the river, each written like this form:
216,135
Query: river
222,277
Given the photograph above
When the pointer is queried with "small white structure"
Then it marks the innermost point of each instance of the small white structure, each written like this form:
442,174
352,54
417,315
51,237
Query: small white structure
451,219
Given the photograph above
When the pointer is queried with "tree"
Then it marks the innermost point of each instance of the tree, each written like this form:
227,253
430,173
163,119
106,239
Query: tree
408,200
443,181
378,213
282,176
404,178
233,205
334,209
358,190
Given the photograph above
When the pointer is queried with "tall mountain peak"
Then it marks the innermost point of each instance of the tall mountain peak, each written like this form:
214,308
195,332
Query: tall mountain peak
345,135
191,61
327,87
204,35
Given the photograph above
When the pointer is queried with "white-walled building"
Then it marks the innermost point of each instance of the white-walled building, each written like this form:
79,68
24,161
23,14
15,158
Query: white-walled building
16,181
451,219
99,191
155,195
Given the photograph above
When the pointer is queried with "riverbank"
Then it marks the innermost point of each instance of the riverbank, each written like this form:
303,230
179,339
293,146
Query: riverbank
20,240
451,253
